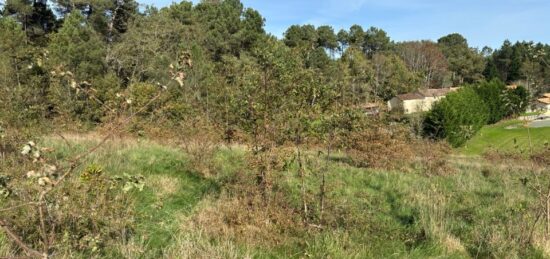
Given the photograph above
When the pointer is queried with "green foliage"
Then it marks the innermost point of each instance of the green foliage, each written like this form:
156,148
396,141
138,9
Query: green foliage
92,171
131,182
76,59
356,35
457,118
5,190
225,31
23,79
523,62
460,115
391,77
376,40
494,94
107,18
516,100
502,102
77,48
466,64
145,52
193,71
36,18
327,39
141,94
301,36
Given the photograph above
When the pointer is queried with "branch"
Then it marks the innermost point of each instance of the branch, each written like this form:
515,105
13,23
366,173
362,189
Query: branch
29,251
19,206
75,162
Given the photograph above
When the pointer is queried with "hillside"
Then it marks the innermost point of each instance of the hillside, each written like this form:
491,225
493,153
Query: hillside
477,210
189,130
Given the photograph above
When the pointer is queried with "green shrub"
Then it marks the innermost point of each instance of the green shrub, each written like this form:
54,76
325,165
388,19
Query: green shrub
493,93
502,102
457,117
516,100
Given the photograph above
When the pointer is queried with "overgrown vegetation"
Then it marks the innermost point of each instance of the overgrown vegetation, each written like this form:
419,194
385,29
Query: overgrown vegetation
188,131
367,213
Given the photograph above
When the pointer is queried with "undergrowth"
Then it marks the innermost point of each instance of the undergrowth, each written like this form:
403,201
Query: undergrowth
183,212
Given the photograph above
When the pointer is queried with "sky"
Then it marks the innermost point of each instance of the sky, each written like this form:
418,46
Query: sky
482,22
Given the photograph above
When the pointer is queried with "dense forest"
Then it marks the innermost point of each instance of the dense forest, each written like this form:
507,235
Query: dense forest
207,80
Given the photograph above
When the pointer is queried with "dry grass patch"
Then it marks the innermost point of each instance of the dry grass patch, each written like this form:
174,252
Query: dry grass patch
164,185
196,244
247,221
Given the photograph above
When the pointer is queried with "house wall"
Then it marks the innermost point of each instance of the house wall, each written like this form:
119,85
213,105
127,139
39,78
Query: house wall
543,106
412,106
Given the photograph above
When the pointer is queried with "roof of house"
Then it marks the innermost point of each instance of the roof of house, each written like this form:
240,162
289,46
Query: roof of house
546,95
435,92
410,96
511,87
421,94
544,100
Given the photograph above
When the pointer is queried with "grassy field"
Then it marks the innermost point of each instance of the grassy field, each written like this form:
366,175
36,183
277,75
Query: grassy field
477,211
508,136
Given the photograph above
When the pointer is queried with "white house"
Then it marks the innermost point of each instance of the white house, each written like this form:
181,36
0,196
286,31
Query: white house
543,103
419,101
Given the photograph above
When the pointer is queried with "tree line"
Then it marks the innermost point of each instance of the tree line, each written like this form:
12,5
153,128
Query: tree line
71,59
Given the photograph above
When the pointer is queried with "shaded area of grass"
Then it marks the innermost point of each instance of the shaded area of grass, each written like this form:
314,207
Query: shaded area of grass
395,215
507,136
171,188
156,214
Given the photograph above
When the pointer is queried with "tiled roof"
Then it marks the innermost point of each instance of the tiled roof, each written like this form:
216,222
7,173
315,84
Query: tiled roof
410,96
435,92
544,100
546,95
421,94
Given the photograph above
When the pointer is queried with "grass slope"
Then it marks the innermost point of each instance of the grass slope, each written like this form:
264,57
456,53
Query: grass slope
498,137
475,212
397,215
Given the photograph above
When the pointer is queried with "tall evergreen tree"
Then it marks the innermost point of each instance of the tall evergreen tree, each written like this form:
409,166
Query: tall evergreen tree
376,40
35,16
465,63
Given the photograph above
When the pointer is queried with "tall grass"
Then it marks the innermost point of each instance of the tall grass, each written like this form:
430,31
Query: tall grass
474,212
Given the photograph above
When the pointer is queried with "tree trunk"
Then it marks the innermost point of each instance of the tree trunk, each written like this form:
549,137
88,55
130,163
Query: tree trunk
302,176
323,184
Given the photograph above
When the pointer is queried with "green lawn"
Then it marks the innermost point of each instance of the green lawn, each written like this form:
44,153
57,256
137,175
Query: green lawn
498,137
531,113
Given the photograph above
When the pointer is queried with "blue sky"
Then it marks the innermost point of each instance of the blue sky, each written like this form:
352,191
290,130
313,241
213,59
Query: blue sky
482,22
